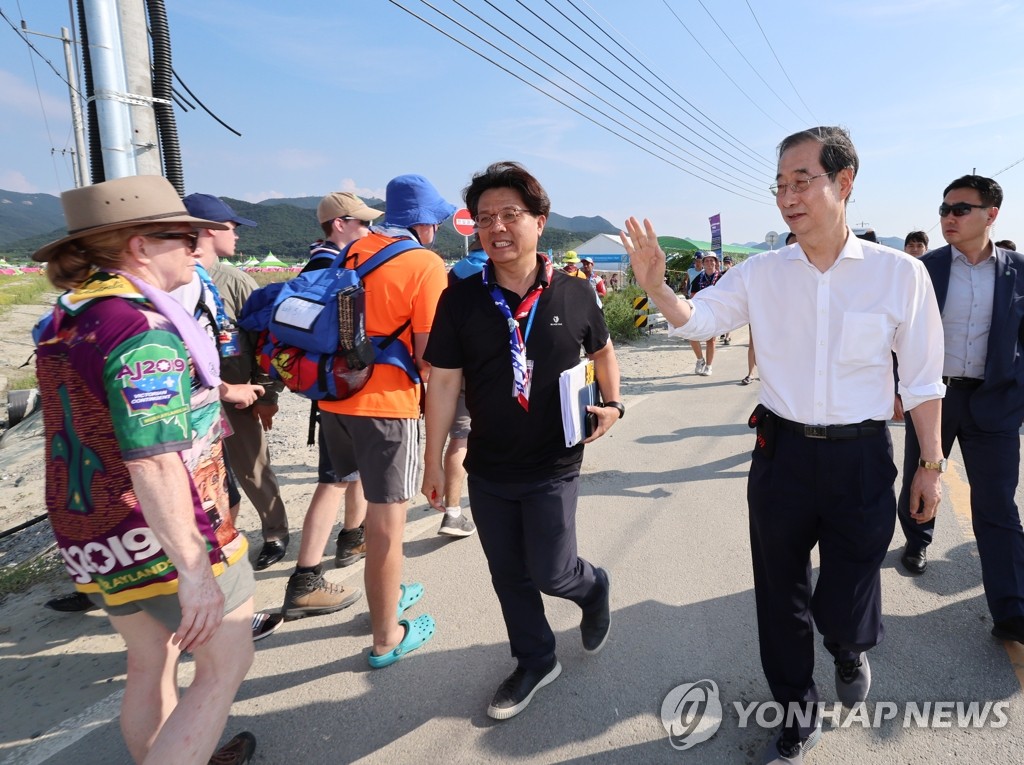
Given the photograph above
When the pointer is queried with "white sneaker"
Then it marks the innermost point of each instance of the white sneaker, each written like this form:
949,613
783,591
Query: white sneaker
706,371
698,369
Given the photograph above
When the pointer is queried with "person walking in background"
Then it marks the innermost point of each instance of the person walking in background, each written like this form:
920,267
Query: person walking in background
980,291
822,471
509,333
376,430
707,278
916,243
246,447
587,267
134,470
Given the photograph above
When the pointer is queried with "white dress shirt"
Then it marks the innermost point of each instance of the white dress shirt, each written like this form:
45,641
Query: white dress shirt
825,340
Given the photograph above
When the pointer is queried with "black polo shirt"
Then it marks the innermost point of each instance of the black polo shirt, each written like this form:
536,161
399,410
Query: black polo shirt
506,442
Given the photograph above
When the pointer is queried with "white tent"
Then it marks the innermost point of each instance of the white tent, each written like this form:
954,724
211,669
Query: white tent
272,260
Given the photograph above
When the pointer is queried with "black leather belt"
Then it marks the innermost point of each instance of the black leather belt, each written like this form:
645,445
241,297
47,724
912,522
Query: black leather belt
964,383
834,432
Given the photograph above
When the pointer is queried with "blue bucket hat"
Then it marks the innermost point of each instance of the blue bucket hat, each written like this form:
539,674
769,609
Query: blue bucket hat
214,208
412,199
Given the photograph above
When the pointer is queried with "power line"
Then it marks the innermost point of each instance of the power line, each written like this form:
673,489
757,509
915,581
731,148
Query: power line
605,101
728,137
715,62
635,73
554,98
34,49
752,68
560,87
769,43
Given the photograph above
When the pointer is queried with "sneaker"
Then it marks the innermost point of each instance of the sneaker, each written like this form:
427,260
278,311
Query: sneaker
351,547
516,693
264,624
596,625
706,371
853,680
309,594
698,369
457,527
237,751
785,751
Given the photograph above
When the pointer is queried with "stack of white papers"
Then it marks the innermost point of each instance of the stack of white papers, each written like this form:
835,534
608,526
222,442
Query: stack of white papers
578,389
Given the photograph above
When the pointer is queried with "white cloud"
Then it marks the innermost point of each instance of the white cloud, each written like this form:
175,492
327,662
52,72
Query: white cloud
18,96
12,180
349,184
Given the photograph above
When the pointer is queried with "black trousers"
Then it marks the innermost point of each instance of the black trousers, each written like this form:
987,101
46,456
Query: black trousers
992,462
528,532
838,495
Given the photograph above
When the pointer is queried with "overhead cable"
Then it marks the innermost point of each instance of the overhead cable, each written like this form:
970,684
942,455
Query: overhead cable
563,103
772,49
728,137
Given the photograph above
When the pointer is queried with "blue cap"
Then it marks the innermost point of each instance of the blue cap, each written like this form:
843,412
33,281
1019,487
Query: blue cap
213,208
412,199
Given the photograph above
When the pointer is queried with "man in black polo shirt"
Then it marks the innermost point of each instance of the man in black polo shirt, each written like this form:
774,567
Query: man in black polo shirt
510,332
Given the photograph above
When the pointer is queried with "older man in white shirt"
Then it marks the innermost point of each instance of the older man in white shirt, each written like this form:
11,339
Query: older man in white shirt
822,471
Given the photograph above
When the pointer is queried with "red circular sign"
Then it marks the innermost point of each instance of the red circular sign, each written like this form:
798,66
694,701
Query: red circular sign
463,222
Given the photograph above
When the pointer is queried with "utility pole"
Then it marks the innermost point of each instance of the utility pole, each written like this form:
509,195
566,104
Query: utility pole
79,165
139,78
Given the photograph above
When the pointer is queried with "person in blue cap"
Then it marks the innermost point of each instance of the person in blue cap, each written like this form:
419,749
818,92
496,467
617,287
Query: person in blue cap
247,446
376,431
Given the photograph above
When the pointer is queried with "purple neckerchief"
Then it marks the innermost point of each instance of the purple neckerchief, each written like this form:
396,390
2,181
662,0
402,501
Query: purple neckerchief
516,341
200,347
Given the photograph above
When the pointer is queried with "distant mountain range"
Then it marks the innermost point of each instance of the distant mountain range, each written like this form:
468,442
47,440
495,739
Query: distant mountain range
286,226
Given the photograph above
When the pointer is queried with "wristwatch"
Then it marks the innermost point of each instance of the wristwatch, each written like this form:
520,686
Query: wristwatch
940,465
616,405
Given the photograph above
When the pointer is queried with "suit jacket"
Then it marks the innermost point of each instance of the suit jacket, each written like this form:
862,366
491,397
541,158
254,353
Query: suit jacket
999,403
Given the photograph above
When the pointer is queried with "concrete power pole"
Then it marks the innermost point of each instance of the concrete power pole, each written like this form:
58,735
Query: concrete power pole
138,74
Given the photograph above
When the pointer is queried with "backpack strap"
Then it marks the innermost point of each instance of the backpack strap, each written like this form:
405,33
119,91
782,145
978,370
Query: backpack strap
384,255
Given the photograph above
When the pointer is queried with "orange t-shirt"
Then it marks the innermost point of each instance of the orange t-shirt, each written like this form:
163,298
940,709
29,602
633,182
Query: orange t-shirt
407,287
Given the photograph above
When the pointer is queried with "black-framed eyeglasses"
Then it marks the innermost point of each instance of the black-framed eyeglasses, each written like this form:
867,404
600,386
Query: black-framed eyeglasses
191,237
507,216
959,209
797,187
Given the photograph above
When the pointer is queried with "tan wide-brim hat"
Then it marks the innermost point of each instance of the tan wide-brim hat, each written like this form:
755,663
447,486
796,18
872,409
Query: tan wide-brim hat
121,203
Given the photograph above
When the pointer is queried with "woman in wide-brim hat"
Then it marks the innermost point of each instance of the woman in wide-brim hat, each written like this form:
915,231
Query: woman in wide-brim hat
135,476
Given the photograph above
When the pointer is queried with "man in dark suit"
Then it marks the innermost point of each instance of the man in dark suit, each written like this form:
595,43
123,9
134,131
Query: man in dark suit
980,290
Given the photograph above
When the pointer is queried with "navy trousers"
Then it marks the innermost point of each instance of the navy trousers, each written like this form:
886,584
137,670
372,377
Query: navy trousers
992,462
838,495
528,532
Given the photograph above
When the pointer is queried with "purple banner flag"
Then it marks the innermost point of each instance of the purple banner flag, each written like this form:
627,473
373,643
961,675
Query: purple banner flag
716,233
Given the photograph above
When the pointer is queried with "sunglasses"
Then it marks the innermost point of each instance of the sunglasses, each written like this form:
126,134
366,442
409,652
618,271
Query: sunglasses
191,238
960,209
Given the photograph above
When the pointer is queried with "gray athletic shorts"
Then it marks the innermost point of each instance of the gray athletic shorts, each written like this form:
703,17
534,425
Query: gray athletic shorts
460,426
325,472
237,583
385,451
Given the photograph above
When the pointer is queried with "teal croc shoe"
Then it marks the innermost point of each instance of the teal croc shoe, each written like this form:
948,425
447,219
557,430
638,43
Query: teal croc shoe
417,632
411,594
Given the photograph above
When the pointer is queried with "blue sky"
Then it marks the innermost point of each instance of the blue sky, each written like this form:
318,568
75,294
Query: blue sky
344,95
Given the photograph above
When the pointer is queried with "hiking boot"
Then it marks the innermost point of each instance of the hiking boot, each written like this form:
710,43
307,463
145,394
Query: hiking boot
351,547
518,689
457,527
237,751
309,594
